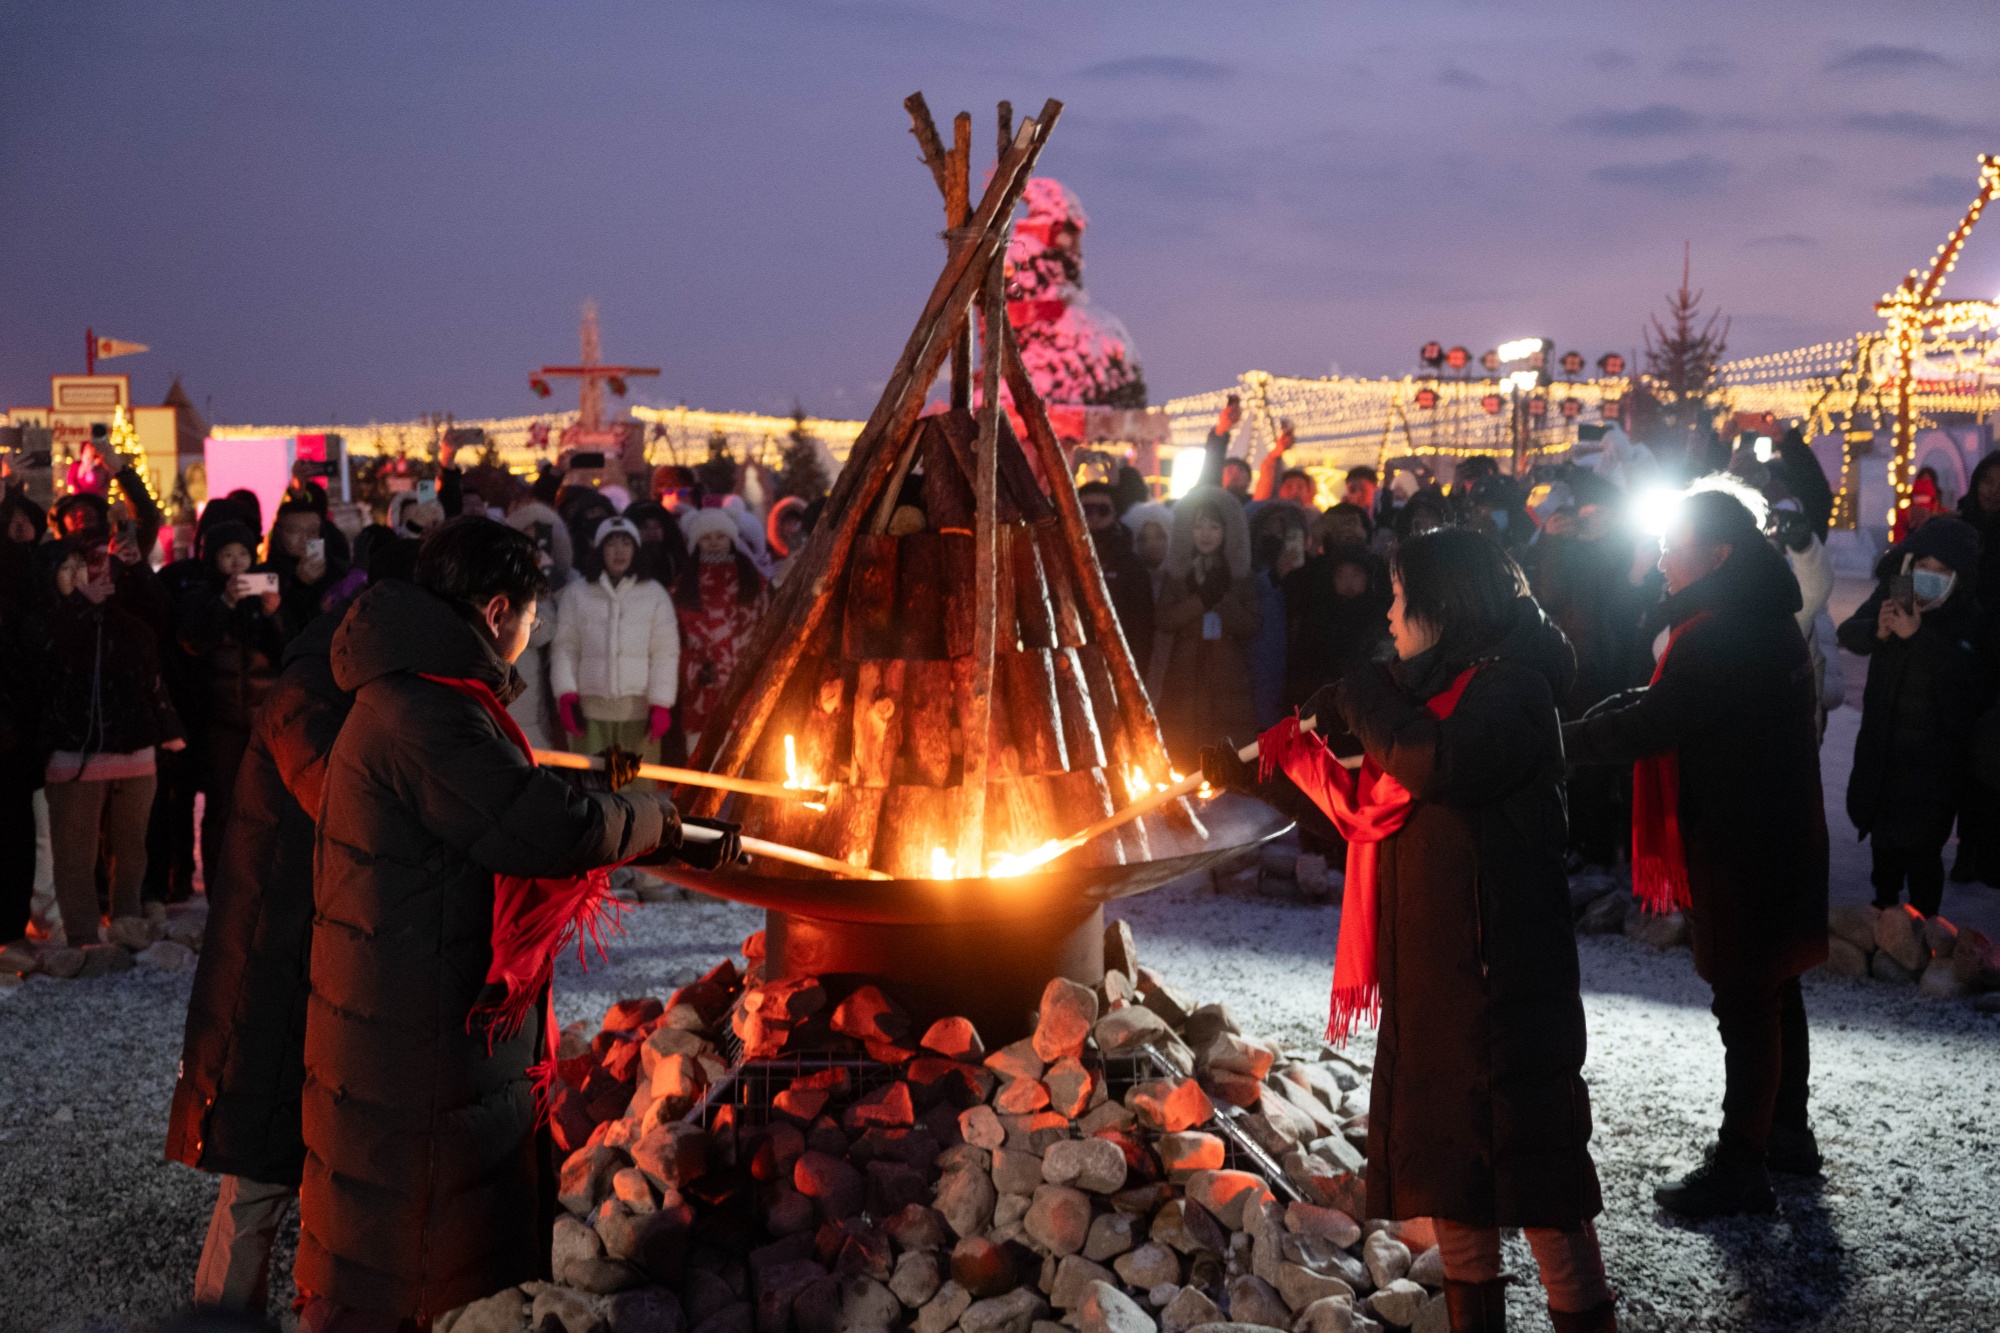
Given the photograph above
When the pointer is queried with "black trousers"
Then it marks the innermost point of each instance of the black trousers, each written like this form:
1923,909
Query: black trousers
18,779
170,834
1922,866
1766,1060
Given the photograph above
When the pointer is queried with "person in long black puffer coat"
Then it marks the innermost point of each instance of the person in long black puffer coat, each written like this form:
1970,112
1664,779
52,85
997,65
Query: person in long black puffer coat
1731,718
236,1103
426,1183
1931,676
1478,1115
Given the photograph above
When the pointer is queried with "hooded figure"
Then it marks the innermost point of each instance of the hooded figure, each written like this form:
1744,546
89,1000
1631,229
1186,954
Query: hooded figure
236,1100
720,598
426,1184
1209,611
1932,670
785,535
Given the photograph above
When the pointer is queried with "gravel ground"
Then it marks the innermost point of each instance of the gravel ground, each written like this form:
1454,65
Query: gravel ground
1903,1233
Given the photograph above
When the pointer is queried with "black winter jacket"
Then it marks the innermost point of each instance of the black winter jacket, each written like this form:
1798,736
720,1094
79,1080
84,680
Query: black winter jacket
422,1188
1737,701
238,652
236,1103
1479,1112
100,667
1924,693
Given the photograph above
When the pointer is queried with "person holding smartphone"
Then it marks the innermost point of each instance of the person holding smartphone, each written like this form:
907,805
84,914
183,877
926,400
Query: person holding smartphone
105,713
306,568
1932,673
235,630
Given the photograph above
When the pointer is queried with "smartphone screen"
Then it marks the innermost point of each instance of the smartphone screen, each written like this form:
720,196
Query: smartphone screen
259,584
1903,591
427,491
316,548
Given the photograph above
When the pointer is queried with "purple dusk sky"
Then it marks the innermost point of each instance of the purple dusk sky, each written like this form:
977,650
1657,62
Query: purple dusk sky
363,211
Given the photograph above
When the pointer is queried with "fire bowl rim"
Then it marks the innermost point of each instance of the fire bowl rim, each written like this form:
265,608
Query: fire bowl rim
953,901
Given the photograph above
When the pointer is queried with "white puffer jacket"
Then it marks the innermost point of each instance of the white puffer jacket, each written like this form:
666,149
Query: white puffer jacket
619,642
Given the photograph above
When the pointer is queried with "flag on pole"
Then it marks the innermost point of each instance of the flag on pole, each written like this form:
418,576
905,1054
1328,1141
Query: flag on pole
110,347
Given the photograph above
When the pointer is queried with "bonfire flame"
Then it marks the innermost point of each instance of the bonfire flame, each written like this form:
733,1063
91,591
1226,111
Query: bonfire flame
795,780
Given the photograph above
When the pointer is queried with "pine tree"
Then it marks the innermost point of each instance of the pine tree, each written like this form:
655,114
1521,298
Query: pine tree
801,469
717,473
1682,354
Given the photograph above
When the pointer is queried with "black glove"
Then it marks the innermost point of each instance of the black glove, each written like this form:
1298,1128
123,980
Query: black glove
620,766
670,822
724,851
1222,768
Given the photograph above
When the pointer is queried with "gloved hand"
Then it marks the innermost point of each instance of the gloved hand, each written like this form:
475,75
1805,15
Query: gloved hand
569,712
658,721
1222,768
620,766
724,851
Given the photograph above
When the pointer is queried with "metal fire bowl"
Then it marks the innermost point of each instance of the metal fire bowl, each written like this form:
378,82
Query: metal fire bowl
980,948
1237,824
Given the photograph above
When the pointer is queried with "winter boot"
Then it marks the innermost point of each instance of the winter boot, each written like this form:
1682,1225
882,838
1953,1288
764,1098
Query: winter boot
1477,1307
1794,1151
1598,1319
1726,1182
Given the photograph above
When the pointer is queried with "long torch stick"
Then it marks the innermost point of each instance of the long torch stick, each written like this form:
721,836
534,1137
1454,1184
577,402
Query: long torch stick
692,777
777,851
1145,805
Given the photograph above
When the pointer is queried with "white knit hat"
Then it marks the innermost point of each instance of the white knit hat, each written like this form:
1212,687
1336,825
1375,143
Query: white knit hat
697,523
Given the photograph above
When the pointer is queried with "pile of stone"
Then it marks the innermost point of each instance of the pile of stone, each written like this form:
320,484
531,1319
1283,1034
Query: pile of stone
1902,945
166,942
918,1180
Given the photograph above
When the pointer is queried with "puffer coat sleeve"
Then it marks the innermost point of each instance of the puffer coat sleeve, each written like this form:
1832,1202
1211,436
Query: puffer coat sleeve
567,651
663,683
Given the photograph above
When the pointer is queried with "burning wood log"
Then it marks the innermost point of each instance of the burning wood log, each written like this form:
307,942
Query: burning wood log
687,777
927,723
797,615
847,829
1033,714
878,721
869,625
1033,616
917,823
1069,627
920,595
1081,738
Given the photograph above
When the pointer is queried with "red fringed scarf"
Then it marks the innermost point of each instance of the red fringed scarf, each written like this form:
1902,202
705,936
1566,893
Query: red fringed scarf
1366,805
1659,862
533,919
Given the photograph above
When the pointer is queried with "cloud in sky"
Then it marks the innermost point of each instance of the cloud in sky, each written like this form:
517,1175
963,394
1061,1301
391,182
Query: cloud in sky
1456,76
1784,240
1706,61
1909,125
1179,69
1681,178
1644,122
1883,59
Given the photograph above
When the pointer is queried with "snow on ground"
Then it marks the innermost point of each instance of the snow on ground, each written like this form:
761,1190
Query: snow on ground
97,1231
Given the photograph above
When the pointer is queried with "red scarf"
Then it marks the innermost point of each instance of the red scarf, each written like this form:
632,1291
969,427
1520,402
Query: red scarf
532,920
1366,805
1659,861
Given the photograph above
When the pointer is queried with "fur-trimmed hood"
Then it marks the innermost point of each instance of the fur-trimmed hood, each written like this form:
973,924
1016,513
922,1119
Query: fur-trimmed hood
1235,531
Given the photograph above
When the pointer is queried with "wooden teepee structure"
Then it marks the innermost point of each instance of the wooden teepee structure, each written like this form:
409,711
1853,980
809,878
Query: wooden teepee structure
944,658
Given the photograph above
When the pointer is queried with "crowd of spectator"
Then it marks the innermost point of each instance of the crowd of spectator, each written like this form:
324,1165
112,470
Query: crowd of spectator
130,686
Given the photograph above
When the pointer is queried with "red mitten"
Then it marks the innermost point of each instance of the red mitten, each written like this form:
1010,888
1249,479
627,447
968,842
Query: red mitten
658,720
569,711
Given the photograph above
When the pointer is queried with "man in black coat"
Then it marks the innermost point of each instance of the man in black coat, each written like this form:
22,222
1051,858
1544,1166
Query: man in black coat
1733,703
236,1103
426,1183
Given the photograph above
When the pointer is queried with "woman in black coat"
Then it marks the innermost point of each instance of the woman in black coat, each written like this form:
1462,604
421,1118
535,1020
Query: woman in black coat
235,640
236,1103
426,1184
1479,1116
1931,676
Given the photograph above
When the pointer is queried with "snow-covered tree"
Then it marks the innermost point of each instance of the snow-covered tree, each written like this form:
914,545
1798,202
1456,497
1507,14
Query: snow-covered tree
1073,353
